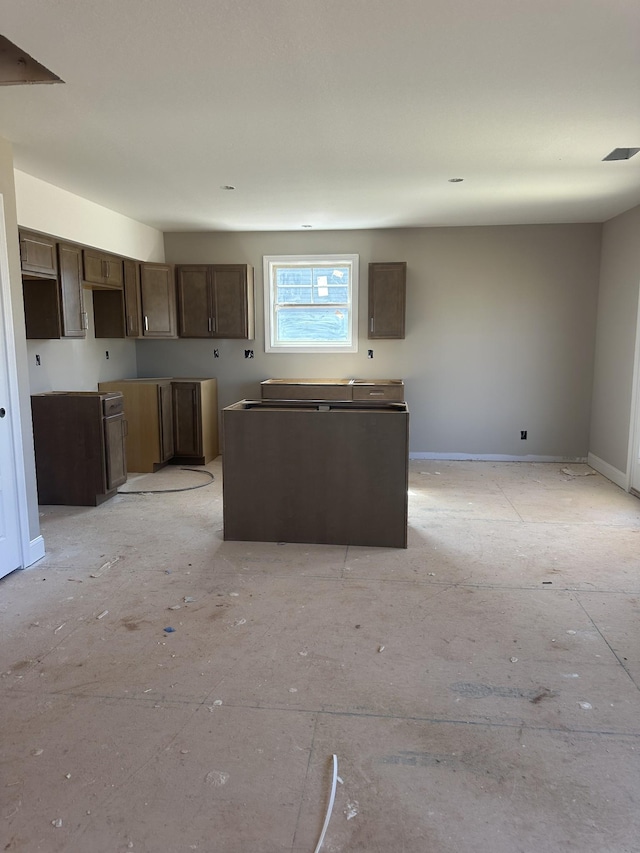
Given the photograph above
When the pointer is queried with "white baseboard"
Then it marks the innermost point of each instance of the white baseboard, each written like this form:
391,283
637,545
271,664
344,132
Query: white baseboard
495,457
618,477
35,551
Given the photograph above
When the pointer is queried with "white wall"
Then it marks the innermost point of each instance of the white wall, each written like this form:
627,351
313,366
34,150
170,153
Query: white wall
52,210
500,331
615,344
79,364
7,188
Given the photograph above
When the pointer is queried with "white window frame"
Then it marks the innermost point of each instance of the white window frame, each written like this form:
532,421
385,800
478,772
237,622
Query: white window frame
270,343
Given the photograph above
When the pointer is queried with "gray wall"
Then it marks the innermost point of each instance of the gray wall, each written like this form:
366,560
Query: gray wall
500,331
7,189
615,339
79,364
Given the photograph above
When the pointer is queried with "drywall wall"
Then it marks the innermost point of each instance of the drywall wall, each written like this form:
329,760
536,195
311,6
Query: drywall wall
52,210
616,340
7,189
500,332
79,364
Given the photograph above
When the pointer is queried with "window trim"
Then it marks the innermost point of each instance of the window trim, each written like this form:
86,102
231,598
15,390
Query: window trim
269,310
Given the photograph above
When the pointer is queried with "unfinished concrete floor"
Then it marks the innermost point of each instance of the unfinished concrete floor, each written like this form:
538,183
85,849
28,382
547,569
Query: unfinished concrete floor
480,689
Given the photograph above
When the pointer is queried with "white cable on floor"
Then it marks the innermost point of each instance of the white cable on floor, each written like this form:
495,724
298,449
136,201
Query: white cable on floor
331,799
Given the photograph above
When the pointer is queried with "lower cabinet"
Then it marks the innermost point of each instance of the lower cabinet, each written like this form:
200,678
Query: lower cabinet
169,420
149,411
330,474
79,439
195,420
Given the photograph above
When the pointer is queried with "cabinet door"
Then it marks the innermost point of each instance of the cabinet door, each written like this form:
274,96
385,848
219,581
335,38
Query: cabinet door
71,308
387,298
115,454
165,404
187,419
158,301
232,294
113,270
38,255
133,313
195,310
101,269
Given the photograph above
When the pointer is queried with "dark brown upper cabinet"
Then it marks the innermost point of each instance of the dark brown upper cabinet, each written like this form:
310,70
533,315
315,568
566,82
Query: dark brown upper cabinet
117,313
53,308
387,300
132,306
215,301
144,308
158,300
101,269
38,256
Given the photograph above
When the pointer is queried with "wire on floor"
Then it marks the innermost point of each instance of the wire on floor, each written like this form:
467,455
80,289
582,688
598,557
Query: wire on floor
331,799
166,491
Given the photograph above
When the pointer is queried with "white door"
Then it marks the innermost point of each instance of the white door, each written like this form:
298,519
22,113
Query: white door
10,544
634,442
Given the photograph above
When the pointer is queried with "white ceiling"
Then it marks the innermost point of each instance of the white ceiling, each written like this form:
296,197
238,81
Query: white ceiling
332,113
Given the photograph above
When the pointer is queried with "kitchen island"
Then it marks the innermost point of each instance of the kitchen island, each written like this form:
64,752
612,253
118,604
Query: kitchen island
330,472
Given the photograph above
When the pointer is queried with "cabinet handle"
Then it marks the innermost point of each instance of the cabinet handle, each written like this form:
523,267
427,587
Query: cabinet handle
371,325
213,324
129,322
210,325
125,427
84,319
146,323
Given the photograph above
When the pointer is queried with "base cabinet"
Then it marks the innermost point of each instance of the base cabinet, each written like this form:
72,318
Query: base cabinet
149,413
195,420
331,474
79,440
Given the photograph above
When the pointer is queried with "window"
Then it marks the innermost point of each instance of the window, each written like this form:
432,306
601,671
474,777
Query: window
311,303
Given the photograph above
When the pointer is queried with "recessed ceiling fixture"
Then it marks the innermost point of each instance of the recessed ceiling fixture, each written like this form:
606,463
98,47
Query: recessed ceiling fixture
306,226
621,154
17,67
227,187
456,180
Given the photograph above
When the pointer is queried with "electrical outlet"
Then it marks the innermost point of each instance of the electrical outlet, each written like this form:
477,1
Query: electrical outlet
106,354
370,353
216,353
248,353
523,435
37,360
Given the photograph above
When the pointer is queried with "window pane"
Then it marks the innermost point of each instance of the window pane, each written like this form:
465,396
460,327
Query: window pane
293,295
312,324
312,285
311,303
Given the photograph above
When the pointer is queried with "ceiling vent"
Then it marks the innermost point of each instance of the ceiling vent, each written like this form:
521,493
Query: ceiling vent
18,68
621,154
